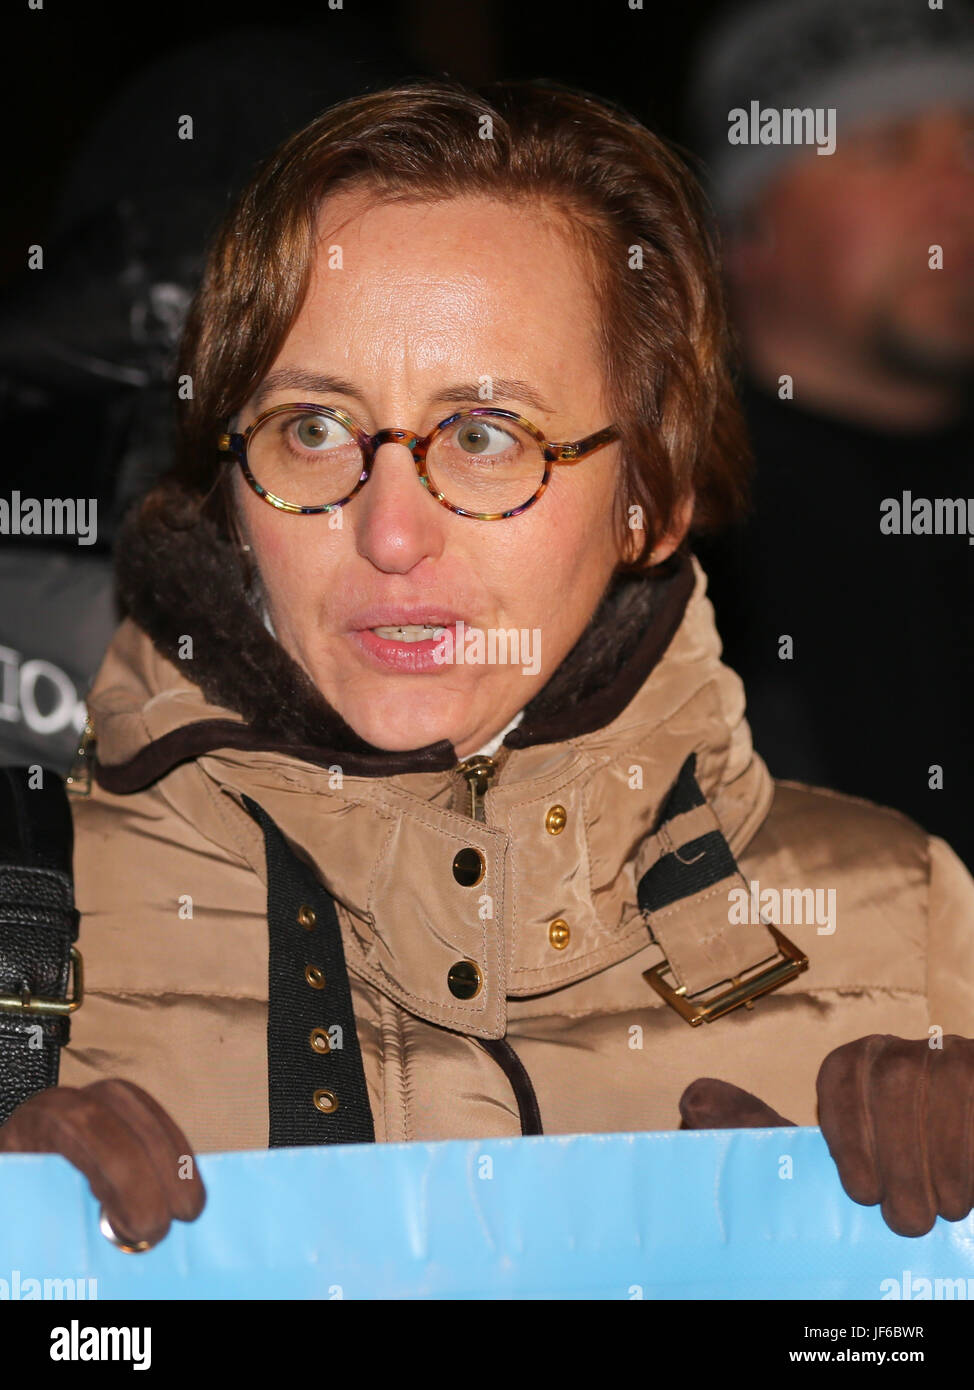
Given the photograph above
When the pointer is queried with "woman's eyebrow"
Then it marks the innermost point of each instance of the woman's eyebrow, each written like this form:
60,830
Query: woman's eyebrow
461,392
501,389
299,378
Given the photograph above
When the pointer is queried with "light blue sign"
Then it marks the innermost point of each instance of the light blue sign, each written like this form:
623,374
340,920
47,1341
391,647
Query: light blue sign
709,1214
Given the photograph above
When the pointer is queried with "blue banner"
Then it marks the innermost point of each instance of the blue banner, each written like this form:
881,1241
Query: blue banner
703,1215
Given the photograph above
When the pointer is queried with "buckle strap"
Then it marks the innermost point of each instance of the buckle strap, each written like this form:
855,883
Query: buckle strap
684,894
38,928
317,1092
40,1004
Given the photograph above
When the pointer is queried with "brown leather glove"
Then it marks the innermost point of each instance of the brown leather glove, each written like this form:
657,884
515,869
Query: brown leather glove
711,1104
898,1118
137,1159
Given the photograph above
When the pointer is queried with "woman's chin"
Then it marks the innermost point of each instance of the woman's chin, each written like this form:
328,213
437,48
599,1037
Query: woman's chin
397,714
397,729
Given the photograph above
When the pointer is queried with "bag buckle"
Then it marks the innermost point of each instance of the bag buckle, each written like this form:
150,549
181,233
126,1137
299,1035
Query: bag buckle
792,961
25,1004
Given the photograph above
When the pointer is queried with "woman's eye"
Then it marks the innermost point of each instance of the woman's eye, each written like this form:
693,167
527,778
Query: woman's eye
479,437
318,432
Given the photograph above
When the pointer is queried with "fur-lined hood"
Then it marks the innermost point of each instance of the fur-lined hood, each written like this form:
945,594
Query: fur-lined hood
177,582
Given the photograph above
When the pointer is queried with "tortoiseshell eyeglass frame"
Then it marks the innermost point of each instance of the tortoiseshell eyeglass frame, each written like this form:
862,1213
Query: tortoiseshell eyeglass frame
554,454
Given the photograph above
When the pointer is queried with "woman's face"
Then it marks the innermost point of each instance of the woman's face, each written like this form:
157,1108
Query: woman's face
424,298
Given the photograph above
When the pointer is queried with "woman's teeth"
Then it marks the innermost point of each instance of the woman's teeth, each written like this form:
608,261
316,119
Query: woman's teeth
415,632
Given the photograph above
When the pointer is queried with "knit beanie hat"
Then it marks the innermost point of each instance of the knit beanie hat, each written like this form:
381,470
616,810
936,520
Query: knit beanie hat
863,59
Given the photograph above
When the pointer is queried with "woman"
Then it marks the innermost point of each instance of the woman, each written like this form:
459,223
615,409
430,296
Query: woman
421,804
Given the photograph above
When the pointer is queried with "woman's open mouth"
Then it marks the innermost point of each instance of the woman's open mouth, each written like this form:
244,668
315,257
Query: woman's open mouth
414,632
413,648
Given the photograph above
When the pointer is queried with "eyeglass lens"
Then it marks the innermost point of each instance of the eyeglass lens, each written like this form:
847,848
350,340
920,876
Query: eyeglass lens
481,464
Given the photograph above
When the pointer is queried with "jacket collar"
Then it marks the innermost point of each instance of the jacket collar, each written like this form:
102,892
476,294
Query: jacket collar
231,714
182,585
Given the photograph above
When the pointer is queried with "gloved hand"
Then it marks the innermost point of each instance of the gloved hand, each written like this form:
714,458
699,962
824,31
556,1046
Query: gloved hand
711,1104
898,1119
136,1158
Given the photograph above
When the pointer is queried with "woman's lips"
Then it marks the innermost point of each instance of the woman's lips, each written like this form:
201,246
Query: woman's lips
414,658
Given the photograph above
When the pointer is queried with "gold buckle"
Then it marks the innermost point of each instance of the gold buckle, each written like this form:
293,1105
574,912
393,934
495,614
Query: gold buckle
50,1006
740,992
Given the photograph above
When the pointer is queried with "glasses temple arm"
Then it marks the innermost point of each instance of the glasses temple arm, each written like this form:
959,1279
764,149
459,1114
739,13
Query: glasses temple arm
574,453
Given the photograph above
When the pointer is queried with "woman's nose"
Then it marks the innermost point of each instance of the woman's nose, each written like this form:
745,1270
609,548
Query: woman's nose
394,517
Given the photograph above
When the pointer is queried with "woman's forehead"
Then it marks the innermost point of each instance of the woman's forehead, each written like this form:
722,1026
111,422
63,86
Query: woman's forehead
470,287
472,242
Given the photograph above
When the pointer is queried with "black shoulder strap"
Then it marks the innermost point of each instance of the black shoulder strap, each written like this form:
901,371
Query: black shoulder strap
38,926
317,1092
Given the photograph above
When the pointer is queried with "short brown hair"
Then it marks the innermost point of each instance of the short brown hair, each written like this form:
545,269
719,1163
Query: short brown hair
631,201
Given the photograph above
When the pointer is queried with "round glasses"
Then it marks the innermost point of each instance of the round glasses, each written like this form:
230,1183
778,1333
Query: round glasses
487,464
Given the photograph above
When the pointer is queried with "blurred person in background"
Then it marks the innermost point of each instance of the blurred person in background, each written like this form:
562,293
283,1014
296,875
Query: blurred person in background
844,602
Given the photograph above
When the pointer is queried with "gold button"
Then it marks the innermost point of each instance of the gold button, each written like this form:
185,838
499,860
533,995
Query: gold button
314,976
325,1101
306,917
554,821
468,867
464,979
558,933
318,1039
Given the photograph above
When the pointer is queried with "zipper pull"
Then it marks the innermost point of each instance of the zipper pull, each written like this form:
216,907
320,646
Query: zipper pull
78,780
478,771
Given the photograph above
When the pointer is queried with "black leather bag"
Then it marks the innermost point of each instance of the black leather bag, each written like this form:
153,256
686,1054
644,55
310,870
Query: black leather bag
38,931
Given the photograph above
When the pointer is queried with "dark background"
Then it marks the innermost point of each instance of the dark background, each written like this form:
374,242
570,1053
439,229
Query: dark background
64,63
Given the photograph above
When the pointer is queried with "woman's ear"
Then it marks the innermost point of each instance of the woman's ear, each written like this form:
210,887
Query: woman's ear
673,539
665,545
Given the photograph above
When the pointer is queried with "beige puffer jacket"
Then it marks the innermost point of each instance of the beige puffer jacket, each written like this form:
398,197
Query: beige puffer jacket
171,883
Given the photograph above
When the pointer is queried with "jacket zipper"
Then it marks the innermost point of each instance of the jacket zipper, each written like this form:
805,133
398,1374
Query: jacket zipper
78,780
477,771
